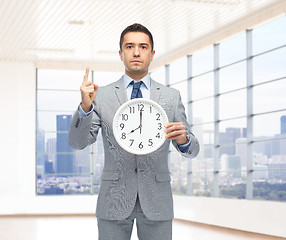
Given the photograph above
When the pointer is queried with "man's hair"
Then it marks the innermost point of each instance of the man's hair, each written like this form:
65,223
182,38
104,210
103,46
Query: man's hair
136,27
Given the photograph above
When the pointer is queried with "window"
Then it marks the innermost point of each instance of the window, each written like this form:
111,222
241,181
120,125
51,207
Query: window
203,86
203,61
269,35
237,110
159,75
61,169
178,70
203,111
232,50
269,66
232,77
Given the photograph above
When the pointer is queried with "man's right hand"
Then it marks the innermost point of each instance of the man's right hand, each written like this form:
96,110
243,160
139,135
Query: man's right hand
88,92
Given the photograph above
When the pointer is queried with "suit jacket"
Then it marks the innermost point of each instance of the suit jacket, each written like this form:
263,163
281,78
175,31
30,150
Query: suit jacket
124,174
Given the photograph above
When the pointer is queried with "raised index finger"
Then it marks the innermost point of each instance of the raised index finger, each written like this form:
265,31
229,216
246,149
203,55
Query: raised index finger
85,78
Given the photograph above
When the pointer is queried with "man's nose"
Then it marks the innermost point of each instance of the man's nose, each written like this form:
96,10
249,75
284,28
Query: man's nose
136,51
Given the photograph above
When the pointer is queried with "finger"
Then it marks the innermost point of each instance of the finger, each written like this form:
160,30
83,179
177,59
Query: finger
168,125
93,95
174,137
85,78
175,128
175,134
86,86
88,91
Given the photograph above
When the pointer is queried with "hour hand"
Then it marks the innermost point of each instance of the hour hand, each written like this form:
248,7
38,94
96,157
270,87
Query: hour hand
135,129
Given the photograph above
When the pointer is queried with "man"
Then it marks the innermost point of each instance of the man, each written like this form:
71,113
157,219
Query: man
132,186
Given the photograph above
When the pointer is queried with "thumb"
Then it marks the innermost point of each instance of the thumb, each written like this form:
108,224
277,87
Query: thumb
93,95
95,87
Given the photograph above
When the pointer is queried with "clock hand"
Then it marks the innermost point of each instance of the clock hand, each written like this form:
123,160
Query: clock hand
140,126
140,121
135,129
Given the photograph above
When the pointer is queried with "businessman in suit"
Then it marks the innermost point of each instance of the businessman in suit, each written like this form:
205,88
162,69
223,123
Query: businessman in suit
132,186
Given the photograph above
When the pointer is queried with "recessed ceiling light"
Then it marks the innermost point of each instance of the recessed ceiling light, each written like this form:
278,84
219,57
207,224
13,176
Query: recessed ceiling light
211,2
76,22
118,1
107,52
49,50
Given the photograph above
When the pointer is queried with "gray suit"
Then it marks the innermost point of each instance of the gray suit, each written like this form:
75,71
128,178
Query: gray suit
125,175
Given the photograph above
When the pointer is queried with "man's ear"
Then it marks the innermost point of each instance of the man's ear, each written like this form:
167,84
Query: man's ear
121,54
152,55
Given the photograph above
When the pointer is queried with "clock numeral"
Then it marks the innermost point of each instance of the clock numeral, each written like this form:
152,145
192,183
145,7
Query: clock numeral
141,145
123,135
150,109
158,135
132,109
132,141
121,125
150,142
124,117
158,116
160,126
140,107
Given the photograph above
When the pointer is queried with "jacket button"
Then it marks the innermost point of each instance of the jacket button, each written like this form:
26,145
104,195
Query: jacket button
136,170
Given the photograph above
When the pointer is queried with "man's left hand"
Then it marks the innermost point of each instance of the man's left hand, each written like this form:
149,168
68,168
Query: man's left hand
176,131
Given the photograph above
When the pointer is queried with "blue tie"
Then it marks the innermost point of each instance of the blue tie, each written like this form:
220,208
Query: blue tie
136,92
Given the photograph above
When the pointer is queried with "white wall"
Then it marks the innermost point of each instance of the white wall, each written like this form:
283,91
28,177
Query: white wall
17,170
17,124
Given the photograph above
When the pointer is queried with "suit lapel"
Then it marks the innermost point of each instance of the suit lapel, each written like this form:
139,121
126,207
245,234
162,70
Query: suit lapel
120,91
155,91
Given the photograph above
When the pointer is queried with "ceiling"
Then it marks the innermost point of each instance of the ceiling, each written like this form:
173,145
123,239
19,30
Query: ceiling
76,33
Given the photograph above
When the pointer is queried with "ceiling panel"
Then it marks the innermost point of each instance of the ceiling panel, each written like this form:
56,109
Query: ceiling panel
73,33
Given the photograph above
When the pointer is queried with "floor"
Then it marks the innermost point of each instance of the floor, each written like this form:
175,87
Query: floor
85,227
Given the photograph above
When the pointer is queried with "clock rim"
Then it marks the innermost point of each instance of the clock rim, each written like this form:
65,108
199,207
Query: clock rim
149,101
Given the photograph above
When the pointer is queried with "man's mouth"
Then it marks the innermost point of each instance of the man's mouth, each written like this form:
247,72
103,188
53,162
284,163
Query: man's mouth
136,61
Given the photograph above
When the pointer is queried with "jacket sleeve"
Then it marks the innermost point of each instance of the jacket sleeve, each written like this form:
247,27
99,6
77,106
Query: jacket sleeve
83,130
180,116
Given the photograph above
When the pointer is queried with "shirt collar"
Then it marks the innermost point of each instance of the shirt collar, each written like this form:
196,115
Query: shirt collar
146,81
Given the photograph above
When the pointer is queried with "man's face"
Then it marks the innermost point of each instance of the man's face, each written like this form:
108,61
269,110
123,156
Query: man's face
136,53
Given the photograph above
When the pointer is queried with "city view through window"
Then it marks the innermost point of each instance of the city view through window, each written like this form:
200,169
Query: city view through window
234,95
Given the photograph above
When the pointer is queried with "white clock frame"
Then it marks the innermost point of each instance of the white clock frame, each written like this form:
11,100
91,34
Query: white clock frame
156,118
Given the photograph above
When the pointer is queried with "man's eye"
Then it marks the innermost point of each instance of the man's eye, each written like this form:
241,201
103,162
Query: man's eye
144,47
129,46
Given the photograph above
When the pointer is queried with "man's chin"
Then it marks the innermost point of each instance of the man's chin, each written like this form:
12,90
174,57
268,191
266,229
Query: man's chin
136,69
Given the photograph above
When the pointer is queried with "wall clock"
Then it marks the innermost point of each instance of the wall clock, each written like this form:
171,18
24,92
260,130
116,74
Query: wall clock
138,126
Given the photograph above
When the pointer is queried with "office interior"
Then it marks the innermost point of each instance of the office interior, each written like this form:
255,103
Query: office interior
226,57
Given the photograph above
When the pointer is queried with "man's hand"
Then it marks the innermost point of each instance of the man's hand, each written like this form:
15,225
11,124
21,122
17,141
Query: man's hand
177,131
88,92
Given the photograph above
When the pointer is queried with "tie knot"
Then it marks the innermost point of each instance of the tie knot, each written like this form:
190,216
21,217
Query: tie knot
136,84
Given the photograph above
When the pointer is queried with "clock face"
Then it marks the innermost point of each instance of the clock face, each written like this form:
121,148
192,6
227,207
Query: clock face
138,126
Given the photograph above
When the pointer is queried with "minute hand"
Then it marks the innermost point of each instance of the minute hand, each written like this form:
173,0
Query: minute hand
140,121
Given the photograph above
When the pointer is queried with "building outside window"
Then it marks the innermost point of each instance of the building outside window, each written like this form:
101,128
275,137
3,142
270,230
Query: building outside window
61,169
